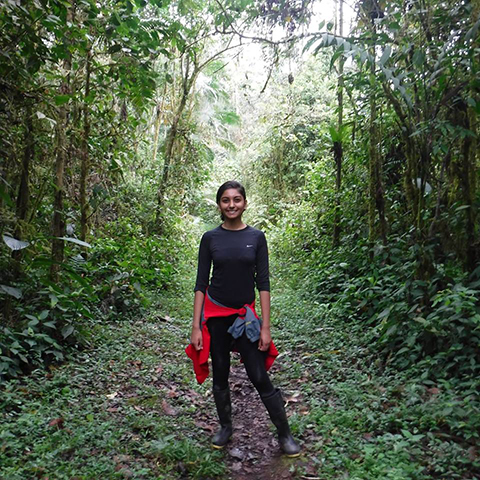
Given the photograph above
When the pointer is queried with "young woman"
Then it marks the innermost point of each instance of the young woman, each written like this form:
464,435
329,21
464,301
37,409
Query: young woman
224,314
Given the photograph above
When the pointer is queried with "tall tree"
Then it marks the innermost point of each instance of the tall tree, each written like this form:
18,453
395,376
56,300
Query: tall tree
62,147
338,143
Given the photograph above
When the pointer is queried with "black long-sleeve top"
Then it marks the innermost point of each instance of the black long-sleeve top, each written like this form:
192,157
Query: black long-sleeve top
240,261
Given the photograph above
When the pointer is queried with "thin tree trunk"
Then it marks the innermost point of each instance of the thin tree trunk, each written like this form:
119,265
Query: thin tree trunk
158,116
376,201
85,159
468,184
372,161
58,223
23,196
171,137
338,145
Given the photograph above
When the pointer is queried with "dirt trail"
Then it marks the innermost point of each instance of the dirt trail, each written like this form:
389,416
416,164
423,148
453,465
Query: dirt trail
253,452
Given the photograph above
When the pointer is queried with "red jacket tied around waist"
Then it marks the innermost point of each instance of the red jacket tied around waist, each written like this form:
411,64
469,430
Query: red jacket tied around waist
215,309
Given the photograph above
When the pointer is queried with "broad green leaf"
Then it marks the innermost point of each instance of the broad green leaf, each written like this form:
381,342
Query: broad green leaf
385,55
472,33
309,43
14,244
14,292
75,240
62,99
33,322
338,52
418,58
67,330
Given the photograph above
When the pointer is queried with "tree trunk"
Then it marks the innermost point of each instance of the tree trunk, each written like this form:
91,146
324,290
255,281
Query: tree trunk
58,222
158,116
338,145
372,166
23,196
462,175
85,159
376,201
170,140
158,121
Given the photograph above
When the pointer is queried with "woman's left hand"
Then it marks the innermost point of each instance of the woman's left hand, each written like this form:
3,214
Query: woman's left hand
265,339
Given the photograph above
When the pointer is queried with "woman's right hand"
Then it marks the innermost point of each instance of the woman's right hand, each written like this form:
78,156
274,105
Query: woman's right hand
196,338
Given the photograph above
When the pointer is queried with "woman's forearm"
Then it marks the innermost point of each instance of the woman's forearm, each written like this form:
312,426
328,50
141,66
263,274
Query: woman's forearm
197,308
265,308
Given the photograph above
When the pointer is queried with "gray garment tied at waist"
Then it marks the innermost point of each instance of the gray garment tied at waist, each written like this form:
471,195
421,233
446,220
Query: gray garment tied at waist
249,323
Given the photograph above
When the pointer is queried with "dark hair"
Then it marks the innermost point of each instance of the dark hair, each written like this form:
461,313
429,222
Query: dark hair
231,184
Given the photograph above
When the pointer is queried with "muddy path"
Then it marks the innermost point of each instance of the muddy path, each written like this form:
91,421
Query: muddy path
187,411
253,452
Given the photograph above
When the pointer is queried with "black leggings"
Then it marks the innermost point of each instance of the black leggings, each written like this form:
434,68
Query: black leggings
253,358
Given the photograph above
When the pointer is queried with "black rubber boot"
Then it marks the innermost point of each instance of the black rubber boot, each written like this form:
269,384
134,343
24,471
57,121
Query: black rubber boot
224,410
276,409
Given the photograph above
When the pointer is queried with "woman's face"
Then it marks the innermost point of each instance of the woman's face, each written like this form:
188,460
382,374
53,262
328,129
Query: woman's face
232,204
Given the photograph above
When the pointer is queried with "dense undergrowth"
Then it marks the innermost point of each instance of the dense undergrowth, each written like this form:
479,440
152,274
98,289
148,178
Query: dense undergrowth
115,276
432,322
419,337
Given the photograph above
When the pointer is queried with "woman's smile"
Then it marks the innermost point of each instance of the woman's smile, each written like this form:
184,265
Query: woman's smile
232,204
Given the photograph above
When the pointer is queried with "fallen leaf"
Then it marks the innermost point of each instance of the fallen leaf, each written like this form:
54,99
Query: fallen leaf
111,395
472,454
292,399
204,426
172,393
124,471
236,453
168,410
57,422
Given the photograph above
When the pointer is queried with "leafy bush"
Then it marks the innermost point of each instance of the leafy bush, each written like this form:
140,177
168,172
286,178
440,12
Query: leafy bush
435,320
47,320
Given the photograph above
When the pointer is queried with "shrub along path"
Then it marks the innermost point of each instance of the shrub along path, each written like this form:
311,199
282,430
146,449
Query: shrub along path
130,408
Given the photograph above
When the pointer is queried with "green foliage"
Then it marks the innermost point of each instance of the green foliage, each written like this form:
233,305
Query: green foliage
48,319
433,323
198,463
